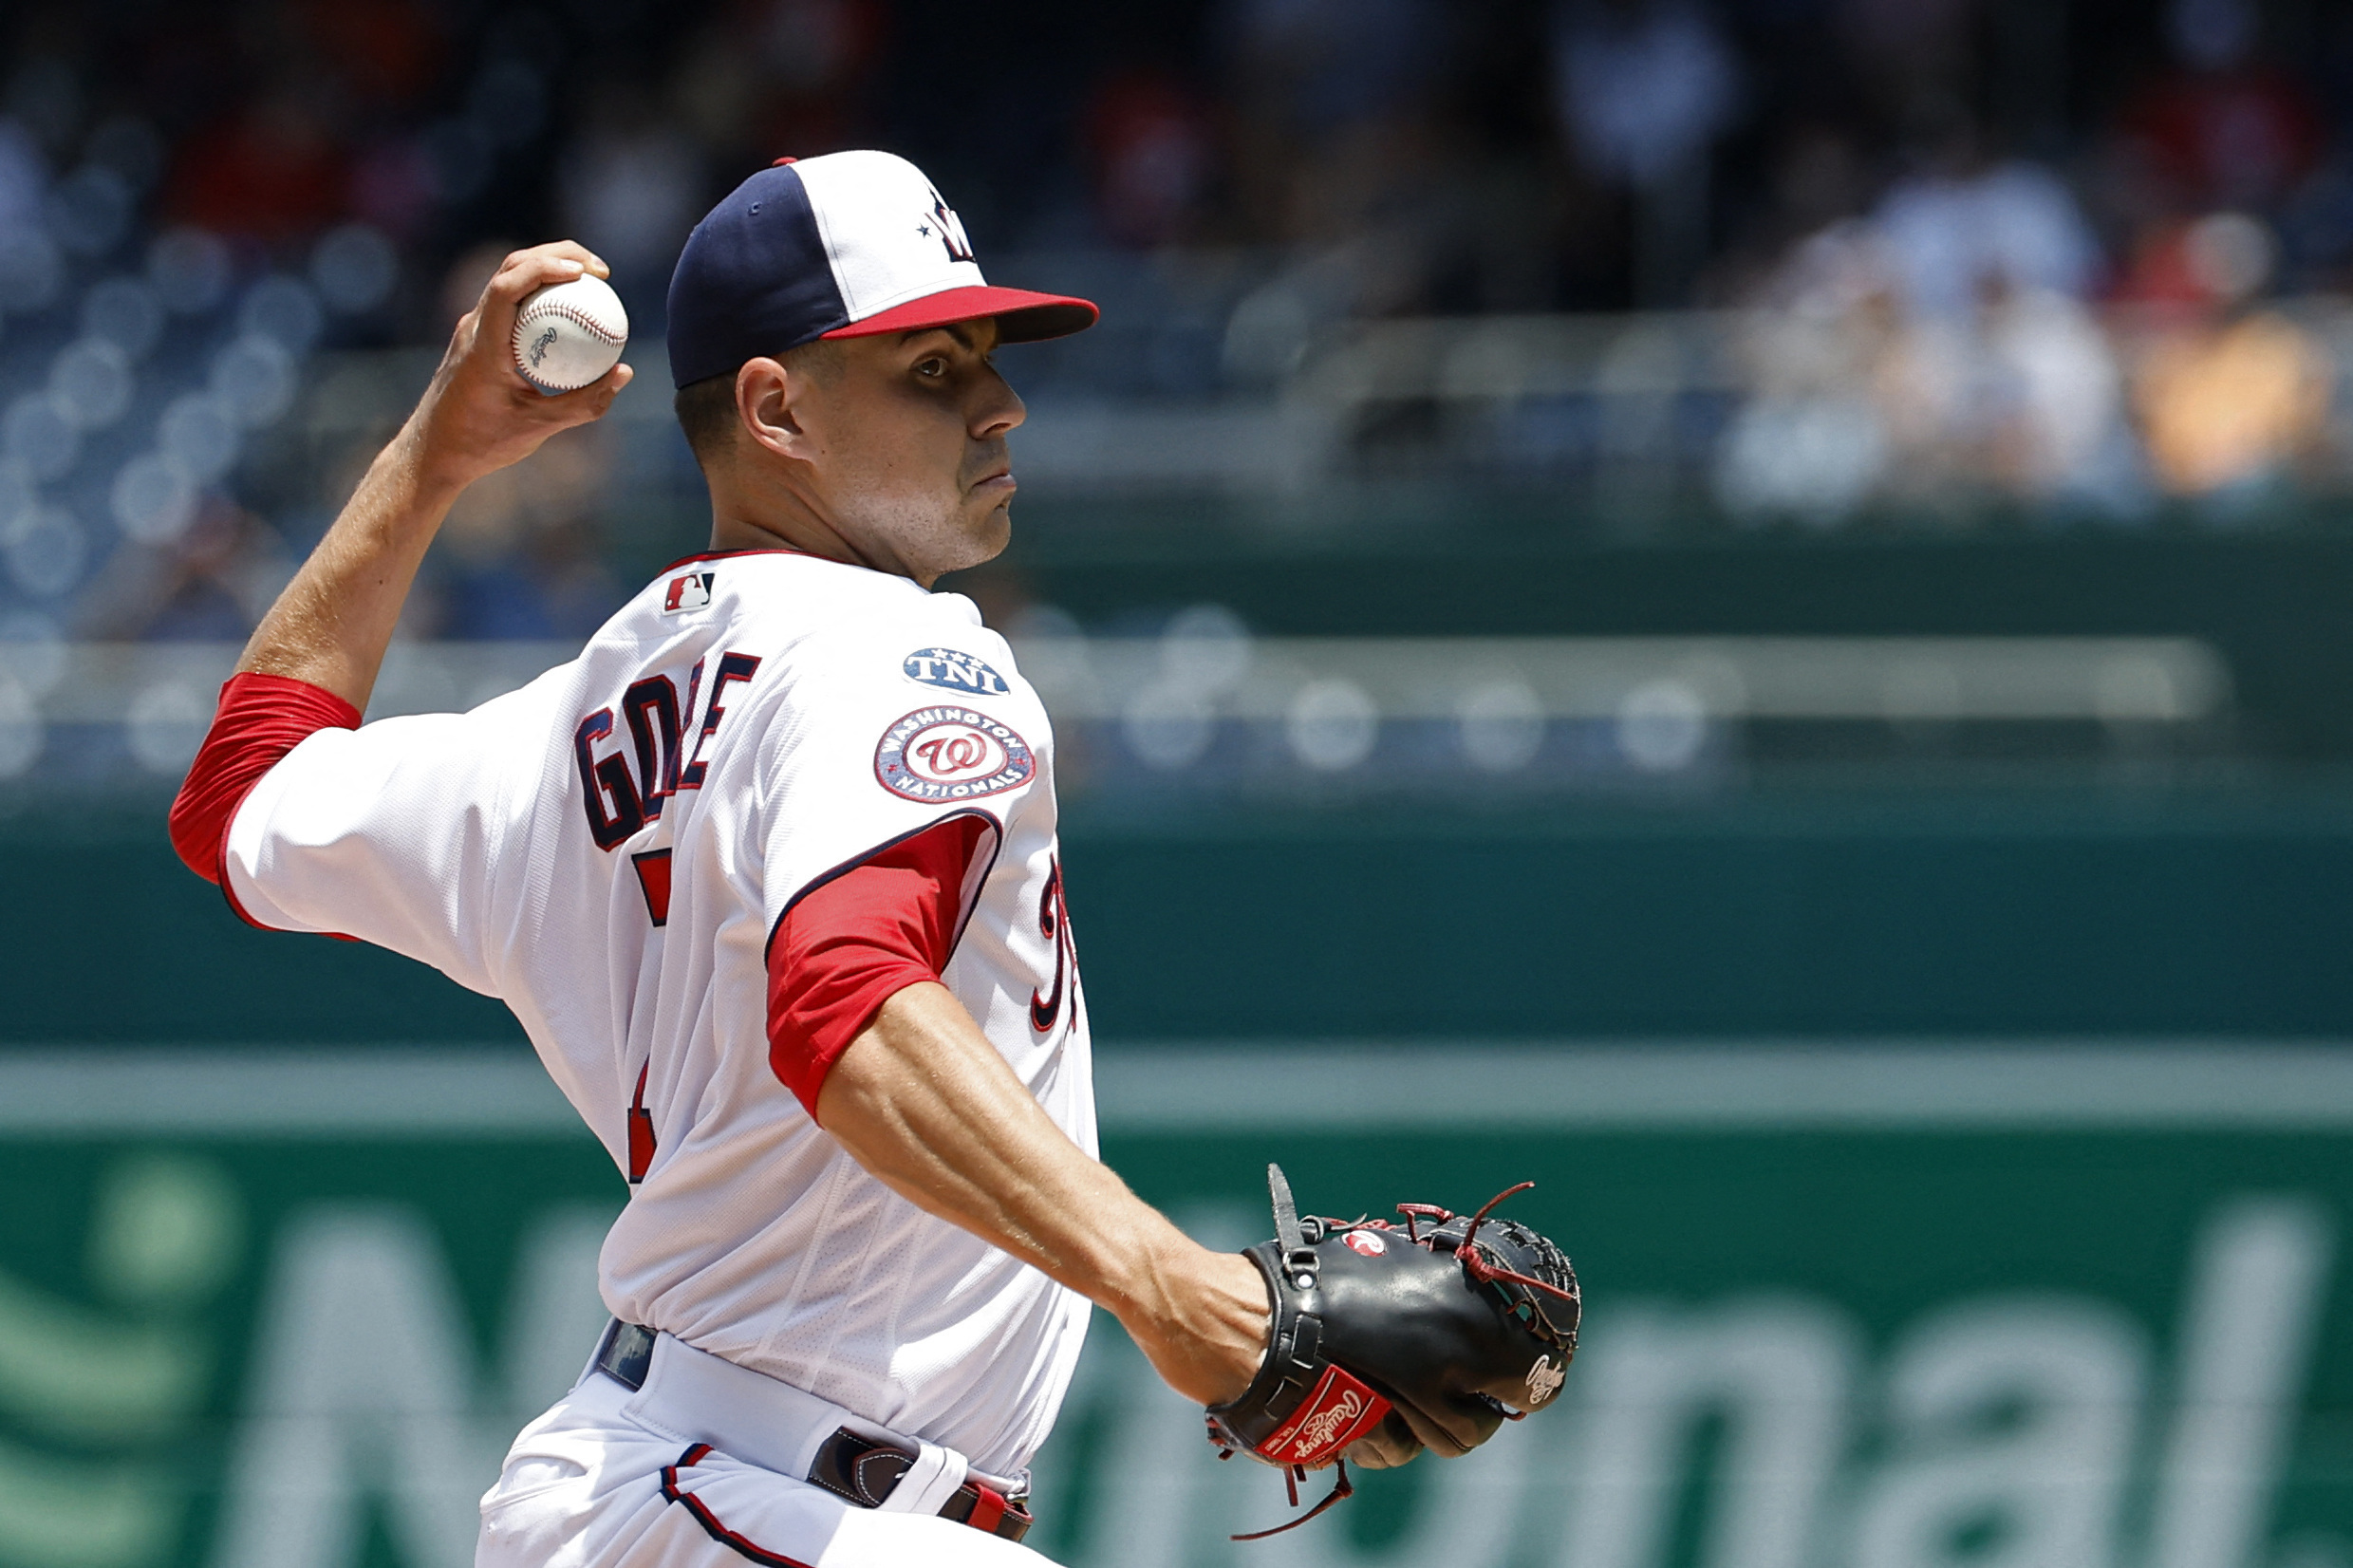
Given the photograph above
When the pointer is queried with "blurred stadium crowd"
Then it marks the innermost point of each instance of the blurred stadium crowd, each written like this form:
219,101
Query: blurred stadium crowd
1820,260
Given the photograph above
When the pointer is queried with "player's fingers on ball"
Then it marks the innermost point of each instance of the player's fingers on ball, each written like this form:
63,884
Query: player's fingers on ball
583,403
502,282
524,271
603,390
558,261
570,249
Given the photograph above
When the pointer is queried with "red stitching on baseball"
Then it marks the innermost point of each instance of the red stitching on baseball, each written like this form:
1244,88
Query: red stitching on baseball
570,313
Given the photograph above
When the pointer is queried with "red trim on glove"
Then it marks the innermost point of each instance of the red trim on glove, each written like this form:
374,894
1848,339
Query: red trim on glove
261,717
856,941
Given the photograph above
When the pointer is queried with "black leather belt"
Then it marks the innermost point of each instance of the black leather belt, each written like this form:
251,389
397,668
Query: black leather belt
849,1465
865,1471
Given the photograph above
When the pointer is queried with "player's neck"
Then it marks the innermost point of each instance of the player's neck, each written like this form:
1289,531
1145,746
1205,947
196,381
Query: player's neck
734,530
773,516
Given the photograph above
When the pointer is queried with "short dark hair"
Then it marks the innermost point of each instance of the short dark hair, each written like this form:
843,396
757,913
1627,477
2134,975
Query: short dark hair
706,409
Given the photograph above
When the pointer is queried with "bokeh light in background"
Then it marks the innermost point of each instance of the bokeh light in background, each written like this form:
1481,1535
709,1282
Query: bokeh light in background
1569,271
1741,605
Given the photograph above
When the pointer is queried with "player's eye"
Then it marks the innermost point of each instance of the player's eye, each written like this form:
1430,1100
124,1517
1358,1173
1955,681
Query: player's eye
933,369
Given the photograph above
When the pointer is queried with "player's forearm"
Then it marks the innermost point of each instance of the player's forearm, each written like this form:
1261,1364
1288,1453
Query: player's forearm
333,621
924,1103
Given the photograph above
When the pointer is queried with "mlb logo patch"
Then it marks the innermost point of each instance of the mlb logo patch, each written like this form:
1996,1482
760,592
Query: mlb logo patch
691,591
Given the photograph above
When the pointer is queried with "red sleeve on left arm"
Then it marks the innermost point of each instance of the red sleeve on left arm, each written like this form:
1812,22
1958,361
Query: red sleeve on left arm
851,944
260,719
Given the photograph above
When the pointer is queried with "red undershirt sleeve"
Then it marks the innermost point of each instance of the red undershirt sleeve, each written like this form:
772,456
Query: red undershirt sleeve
260,719
852,942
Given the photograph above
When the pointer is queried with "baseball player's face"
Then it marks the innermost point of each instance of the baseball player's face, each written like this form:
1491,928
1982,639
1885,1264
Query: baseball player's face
909,430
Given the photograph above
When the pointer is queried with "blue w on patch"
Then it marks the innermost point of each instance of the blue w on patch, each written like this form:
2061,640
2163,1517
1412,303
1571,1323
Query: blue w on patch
951,669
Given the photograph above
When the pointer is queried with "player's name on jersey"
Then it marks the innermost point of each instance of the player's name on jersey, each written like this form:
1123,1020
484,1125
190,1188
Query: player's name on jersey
952,753
951,669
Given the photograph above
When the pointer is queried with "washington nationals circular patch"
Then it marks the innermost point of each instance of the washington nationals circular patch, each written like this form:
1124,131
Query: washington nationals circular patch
952,753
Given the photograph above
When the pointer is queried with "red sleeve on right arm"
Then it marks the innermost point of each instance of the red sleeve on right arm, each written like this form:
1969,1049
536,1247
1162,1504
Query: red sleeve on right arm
850,944
260,719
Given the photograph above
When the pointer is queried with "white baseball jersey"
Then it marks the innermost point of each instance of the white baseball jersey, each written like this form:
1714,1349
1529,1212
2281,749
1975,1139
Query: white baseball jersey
608,849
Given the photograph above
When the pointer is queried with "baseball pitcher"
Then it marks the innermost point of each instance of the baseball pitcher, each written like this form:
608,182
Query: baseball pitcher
769,874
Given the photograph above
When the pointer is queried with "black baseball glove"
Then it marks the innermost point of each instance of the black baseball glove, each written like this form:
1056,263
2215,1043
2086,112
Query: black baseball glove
1391,1339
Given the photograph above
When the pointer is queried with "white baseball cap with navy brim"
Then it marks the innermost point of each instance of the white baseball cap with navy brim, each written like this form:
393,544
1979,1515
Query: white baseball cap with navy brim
847,245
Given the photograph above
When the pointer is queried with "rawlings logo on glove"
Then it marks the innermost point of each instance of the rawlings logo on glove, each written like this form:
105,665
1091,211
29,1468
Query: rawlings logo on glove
1385,1342
1339,1412
1544,1379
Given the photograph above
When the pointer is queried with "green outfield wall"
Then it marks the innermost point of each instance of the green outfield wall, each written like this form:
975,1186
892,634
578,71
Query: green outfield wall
1923,1308
1821,915
1956,1183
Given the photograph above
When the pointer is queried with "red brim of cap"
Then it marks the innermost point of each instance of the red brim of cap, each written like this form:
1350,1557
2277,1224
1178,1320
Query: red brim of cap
1020,316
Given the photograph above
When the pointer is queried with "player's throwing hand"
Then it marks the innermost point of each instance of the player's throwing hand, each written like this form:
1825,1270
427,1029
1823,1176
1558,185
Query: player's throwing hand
329,629
480,415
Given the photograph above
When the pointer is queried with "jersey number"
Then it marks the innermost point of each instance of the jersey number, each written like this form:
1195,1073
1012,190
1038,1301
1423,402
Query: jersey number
619,802
641,1130
1053,921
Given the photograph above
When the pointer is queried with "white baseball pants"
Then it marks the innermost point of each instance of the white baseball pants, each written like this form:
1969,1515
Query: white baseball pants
696,1470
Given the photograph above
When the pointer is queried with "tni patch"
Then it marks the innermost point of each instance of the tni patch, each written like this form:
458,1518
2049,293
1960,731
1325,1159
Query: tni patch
951,669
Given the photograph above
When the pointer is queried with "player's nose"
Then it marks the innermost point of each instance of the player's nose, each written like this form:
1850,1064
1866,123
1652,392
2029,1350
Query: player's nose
997,409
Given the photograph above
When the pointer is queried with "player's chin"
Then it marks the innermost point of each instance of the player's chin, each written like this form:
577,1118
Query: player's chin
985,533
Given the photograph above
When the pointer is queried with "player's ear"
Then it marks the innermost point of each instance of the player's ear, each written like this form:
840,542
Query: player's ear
768,402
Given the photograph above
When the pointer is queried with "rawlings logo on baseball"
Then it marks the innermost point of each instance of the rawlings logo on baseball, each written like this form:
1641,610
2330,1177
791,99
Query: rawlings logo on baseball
569,334
951,753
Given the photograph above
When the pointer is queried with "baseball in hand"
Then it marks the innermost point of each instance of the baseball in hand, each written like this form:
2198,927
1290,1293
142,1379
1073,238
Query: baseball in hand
568,334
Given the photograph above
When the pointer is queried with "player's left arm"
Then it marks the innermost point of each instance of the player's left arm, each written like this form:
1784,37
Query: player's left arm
330,627
923,1101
